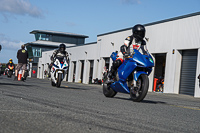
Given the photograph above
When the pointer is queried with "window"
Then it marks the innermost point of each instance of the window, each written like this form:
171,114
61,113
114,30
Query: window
44,37
37,52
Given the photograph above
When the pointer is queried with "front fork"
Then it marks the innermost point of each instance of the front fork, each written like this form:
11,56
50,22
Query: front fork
136,84
131,80
56,76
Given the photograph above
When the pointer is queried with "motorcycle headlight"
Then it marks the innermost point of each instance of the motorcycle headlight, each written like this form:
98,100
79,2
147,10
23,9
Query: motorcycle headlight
56,66
65,67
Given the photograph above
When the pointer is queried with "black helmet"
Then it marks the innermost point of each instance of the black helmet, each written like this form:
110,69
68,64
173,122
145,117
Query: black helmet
139,32
62,47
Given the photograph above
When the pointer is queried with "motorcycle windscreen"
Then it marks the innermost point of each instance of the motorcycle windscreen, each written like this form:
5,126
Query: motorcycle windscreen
143,60
149,60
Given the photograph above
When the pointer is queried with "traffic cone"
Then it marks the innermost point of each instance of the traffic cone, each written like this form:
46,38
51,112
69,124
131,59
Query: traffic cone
19,75
155,84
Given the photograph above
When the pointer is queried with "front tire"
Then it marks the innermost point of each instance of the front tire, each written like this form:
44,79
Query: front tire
9,74
138,93
52,83
59,79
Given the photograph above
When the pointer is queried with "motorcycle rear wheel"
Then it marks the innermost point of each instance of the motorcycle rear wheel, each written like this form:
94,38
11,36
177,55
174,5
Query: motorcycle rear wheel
138,93
59,79
108,91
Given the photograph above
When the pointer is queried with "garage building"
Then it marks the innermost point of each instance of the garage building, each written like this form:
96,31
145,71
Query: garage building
174,44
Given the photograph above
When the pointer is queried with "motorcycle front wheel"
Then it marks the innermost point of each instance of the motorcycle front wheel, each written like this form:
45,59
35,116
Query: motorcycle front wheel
59,79
52,83
10,74
140,91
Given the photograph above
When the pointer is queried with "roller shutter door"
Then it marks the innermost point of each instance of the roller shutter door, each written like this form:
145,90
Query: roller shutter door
188,72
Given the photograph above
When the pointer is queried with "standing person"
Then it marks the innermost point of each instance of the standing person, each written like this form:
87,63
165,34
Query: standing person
0,68
22,56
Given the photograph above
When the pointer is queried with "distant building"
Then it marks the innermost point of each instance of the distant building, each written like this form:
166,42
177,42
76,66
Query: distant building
49,40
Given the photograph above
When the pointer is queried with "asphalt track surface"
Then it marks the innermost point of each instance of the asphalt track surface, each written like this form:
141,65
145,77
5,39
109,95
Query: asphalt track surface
35,106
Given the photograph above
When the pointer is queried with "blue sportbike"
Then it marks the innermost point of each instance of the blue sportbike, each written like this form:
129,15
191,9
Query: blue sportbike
131,76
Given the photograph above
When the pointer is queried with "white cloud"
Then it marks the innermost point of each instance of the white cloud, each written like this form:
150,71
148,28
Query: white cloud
130,1
19,7
9,44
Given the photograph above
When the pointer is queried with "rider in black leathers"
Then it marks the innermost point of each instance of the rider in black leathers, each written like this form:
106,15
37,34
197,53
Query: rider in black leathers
135,41
10,63
60,52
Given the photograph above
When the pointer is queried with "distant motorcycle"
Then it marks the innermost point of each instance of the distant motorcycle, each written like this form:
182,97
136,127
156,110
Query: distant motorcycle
10,71
160,85
131,77
58,71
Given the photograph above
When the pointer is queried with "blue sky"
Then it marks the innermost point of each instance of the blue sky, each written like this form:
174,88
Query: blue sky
87,17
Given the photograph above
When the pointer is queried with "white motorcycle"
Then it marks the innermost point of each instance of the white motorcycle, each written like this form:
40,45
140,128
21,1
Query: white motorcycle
58,71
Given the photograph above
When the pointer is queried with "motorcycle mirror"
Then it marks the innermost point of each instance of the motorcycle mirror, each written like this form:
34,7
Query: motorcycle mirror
147,39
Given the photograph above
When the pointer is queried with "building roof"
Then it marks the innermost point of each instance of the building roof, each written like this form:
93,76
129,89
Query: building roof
157,22
47,44
58,33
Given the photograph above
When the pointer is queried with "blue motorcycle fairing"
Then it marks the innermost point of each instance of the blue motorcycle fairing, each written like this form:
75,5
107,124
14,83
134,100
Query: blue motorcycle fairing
143,60
126,69
120,87
114,56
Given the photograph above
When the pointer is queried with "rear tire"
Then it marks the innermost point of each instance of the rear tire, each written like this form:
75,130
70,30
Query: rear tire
138,94
108,91
59,79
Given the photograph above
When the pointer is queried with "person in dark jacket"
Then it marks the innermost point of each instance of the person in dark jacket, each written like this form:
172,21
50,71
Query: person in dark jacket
22,56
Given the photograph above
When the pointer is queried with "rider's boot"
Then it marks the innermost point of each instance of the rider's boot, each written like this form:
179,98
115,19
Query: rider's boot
23,79
109,78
